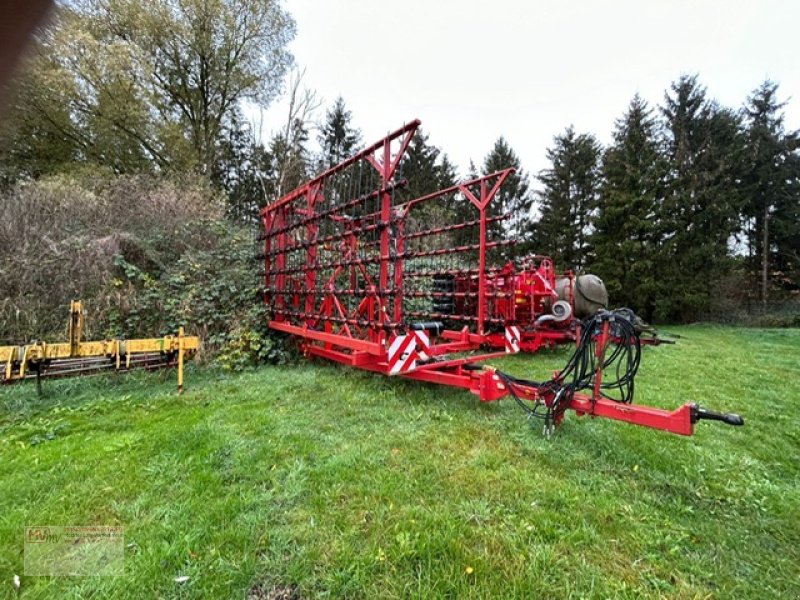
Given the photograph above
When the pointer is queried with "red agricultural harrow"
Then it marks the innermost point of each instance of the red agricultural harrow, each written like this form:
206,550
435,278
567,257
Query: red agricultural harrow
365,276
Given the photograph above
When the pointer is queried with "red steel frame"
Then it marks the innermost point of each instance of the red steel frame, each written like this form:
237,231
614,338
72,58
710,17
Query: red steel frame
532,291
350,226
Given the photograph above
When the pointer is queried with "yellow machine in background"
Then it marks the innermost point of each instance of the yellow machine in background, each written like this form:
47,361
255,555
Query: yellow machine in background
76,357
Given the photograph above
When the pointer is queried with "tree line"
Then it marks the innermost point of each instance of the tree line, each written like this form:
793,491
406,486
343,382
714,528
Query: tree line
691,200
688,198
688,195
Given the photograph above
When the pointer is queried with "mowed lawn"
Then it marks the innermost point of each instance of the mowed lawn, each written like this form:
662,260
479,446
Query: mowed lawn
326,482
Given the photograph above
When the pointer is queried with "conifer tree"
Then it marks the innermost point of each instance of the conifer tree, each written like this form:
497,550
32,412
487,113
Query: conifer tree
699,212
291,164
244,170
420,166
448,173
514,197
472,171
337,137
772,188
447,176
427,170
463,211
625,228
568,198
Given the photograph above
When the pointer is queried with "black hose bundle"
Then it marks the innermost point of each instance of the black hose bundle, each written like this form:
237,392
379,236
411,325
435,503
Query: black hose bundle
620,364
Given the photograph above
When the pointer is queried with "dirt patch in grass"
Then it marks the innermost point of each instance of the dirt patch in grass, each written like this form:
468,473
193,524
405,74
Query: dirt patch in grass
275,592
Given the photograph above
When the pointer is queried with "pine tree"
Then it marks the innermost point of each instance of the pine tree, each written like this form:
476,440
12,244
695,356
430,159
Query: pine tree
462,211
702,197
472,171
568,198
243,170
337,137
772,187
447,176
420,166
448,173
624,238
514,197
427,170
290,159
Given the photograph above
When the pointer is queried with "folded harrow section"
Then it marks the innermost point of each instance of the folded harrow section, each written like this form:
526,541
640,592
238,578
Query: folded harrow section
350,262
328,249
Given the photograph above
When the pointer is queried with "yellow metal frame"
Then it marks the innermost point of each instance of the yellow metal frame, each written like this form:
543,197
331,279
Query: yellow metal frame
17,361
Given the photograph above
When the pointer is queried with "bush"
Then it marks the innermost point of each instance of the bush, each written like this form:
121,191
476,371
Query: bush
147,255
212,291
735,302
60,236
252,343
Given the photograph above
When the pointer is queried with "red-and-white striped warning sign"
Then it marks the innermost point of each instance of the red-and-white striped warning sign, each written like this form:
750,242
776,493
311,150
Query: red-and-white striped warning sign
512,339
406,350
423,344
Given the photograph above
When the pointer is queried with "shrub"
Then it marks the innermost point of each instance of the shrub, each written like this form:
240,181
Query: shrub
147,255
60,236
212,291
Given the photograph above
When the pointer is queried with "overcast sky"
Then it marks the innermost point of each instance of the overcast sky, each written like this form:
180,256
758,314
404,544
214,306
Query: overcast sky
474,70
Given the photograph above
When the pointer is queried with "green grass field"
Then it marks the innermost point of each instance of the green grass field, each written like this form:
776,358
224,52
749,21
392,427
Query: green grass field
328,482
